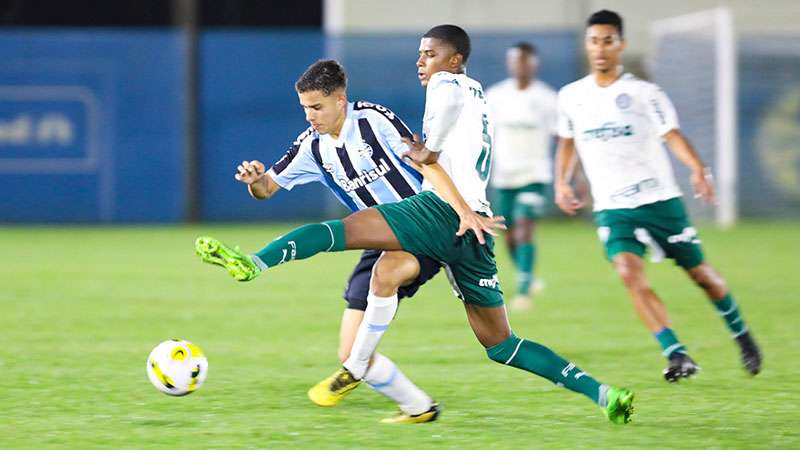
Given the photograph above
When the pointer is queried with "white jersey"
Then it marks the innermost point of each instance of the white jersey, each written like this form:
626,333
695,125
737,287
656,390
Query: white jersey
458,126
525,122
618,133
363,167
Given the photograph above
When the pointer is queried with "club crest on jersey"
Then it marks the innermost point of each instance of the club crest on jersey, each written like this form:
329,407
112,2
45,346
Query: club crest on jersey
365,151
623,101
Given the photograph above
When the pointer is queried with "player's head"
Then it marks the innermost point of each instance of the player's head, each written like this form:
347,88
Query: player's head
322,90
444,48
522,61
604,40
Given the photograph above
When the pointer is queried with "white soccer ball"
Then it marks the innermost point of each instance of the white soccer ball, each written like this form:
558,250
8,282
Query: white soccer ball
177,367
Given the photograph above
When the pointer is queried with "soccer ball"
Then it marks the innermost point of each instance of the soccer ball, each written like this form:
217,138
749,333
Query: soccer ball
177,367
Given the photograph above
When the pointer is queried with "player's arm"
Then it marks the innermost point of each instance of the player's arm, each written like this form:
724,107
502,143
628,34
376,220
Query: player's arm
259,183
566,161
663,116
685,152
565,166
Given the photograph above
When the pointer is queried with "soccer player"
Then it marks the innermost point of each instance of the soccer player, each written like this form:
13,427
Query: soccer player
445,222
618,123
524,112
355,149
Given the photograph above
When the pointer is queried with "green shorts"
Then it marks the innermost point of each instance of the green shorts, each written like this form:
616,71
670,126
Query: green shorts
663,226
426,225
527,202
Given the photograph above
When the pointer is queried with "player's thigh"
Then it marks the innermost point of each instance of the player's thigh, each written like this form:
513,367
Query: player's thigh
490,324
617,231
630,268
669,225
473,276
351,319
367,229
393,270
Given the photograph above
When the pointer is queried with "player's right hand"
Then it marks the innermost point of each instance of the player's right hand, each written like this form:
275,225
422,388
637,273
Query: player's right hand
566,200
480,224
249,172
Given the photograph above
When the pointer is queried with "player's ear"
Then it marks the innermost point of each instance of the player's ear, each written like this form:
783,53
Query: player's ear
456,61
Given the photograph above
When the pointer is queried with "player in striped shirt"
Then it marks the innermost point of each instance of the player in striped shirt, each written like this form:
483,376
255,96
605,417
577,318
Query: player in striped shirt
355,149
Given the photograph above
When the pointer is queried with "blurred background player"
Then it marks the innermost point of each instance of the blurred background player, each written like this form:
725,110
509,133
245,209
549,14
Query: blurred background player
618,124
524,111
358,144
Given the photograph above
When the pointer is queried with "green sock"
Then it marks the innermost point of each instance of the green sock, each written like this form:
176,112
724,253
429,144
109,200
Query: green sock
542,361
669,342
524,259
302,243
729,311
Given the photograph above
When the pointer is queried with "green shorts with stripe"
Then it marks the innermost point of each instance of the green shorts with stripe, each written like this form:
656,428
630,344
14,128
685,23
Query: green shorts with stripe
663,227
426,225
526,202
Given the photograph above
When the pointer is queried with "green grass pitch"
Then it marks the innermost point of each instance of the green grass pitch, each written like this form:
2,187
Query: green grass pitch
80,309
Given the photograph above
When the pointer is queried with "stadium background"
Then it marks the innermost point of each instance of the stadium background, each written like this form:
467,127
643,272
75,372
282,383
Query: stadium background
134,114
146,123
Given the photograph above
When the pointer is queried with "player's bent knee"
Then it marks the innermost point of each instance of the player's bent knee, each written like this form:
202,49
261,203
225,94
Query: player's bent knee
709,280
393,269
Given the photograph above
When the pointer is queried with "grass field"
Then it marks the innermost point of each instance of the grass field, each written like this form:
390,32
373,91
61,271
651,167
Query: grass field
80,308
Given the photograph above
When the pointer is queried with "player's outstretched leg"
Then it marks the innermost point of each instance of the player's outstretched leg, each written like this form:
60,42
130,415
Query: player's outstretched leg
490,325
717,291
361,230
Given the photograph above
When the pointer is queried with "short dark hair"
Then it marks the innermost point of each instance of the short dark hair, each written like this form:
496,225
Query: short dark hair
324,75
526,47
606,17
453,35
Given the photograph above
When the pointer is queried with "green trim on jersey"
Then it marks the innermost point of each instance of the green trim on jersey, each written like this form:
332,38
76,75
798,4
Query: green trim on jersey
526,202
426,225
663,226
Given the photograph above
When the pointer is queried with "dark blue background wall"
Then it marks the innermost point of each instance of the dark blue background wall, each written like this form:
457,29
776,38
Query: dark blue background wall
91,126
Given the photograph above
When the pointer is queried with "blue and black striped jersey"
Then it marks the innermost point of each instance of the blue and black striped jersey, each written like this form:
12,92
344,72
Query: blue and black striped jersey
363,167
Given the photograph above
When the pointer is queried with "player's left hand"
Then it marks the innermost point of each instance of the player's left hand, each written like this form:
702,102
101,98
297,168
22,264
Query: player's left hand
417,152
703,186
480,224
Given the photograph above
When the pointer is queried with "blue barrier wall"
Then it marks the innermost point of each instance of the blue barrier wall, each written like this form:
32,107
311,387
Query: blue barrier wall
91,126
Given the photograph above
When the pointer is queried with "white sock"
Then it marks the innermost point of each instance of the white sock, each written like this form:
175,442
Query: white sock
377,317
385,377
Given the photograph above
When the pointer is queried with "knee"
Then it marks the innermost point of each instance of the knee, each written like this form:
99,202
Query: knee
393,270
631,272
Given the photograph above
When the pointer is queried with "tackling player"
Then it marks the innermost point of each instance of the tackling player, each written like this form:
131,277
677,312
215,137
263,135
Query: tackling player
524,112
459,135
618,123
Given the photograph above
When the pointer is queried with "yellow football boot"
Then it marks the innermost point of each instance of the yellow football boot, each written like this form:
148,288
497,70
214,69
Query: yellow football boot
331,390
428,416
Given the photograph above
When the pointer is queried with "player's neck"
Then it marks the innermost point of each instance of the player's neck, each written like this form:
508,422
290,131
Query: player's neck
608,77
337,128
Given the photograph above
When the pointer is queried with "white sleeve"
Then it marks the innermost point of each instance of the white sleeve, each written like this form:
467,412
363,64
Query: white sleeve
660,110
443,105
564,127
297,166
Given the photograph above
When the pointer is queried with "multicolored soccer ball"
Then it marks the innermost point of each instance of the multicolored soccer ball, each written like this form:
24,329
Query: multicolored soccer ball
177,367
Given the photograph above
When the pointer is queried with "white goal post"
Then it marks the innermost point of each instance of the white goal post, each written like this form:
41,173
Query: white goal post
694,59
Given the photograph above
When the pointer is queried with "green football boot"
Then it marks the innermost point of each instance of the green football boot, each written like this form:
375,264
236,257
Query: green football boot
620,405
239,265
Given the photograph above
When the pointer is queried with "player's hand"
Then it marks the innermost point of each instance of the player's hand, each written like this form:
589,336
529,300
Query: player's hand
249,172
703,186
417,152
480,224
566,200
